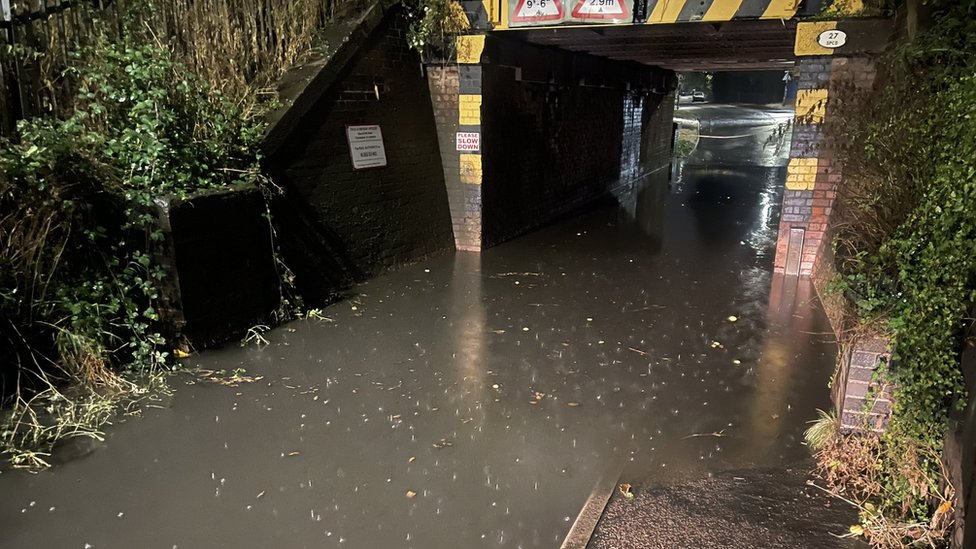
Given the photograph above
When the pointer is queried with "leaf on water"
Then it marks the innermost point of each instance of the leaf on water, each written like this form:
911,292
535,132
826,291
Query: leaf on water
411,494
857,530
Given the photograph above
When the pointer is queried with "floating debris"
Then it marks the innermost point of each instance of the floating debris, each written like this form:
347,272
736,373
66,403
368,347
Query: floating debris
717,434
221,377
625,489
411,494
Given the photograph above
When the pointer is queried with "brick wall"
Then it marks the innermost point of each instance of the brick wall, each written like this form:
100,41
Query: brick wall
448,83
657,136
377,218
860,391
814,175
646,160
549,149
560,131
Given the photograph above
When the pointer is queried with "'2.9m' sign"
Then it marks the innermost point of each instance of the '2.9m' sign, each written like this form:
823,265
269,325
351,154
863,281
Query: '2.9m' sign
527,13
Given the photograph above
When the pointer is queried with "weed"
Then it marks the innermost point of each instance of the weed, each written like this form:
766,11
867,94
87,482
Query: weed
255,336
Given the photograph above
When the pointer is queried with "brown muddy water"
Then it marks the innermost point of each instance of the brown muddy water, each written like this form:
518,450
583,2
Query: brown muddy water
473,400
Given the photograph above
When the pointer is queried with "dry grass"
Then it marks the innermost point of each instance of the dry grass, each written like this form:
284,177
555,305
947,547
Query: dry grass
32,428
857,469
240,46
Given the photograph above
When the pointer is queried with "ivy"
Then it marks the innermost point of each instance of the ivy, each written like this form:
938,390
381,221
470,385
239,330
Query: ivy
905,243
143,127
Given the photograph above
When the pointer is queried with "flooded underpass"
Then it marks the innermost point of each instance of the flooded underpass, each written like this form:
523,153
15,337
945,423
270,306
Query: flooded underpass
474,400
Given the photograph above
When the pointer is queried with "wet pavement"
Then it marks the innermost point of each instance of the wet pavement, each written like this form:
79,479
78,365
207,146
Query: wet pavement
473,400
767,508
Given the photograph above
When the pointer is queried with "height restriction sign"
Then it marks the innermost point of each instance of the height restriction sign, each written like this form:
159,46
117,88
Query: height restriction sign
537,11
603,10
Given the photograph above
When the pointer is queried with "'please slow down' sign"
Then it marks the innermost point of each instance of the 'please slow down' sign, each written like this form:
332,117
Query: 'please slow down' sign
468,141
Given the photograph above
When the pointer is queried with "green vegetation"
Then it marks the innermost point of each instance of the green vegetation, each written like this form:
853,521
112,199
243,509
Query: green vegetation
906,255
77,215
687,141
135,119
434,25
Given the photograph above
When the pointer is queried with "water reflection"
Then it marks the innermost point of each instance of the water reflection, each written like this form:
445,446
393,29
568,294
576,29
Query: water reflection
472,401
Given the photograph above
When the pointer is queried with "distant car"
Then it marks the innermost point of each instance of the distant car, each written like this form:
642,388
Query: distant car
698,97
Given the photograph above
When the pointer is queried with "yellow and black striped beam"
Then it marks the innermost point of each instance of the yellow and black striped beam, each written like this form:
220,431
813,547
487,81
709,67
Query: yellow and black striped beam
680,11
501,14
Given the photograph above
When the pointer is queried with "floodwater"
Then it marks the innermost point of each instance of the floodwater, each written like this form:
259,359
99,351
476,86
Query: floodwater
474,400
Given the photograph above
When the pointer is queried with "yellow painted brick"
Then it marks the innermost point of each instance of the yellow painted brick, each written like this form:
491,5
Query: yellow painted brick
780,9
469,109
470,47
470,170
722,10
807,34
811,106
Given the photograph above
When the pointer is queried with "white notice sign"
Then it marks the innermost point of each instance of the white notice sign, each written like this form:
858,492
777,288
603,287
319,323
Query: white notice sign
468,141
366,146
832,38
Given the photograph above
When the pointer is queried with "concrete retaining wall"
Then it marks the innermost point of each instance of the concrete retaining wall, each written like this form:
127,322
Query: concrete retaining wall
218,257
